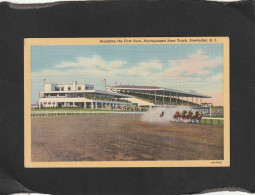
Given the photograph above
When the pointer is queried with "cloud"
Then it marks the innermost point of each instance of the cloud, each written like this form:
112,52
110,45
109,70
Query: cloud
95,61
215,78
95,69
144,69
152,65
117,64
96,64
192,66
193,72
188,79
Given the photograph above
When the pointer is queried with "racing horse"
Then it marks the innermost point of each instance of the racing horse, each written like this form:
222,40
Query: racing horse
183,115
176,115
189,116
194,117
162,114
197,117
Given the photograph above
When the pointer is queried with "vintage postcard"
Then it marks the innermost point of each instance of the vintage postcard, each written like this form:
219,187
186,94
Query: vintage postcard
127,102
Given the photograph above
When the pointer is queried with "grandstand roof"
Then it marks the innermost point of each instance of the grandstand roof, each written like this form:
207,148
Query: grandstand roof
113,94
159,91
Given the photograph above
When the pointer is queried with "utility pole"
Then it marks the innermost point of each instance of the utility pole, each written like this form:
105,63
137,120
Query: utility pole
155,97
163,97
170,98
210,110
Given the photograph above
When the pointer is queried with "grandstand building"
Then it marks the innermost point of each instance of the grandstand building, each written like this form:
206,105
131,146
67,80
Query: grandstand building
149,96
115,97
80,95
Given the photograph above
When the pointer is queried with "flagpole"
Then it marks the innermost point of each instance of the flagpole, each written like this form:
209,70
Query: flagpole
105,84
43,83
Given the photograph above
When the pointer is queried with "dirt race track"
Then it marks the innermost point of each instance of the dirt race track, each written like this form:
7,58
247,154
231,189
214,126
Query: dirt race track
122,137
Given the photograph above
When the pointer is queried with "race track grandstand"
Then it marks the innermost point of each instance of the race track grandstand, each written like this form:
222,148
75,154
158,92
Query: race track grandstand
115,97
148,96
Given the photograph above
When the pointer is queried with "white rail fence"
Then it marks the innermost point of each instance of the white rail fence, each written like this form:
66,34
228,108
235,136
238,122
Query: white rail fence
219,115
75,113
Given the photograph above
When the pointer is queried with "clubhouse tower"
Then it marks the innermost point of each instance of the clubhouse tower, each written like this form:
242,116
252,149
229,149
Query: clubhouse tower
80,95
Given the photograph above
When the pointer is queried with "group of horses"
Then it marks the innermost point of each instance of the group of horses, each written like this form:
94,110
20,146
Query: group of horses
183,116
188,116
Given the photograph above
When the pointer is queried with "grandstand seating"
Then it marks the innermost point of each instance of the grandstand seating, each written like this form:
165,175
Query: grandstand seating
106,99
159,99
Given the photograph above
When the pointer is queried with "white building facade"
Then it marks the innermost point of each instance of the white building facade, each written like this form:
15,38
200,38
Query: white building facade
80,95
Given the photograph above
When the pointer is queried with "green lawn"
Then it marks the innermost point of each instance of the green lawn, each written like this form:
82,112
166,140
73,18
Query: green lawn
215,116
214,121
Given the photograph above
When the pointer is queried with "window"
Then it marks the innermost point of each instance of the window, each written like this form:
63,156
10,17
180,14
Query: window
53,103
62,88
79,87
49,103
57,88
44,102
69,88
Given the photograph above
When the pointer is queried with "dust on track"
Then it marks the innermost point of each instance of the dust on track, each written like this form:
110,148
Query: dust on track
121,138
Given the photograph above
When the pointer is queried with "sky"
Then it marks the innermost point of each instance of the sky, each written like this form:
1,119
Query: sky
184,67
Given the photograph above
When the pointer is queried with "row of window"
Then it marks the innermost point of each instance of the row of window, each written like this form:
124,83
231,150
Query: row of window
76,95
49,103
69,88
